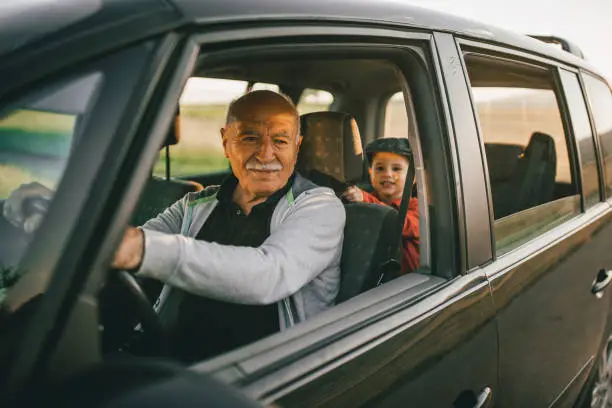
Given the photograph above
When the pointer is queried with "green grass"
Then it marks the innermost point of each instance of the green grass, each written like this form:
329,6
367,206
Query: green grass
191,161
12,177
212,112
37,133
39,122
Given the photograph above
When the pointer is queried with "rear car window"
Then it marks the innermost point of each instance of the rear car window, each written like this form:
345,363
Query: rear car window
530,172
396,117
600,100
314,100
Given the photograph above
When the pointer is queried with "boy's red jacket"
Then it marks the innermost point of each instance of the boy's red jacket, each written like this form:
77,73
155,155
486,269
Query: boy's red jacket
410,235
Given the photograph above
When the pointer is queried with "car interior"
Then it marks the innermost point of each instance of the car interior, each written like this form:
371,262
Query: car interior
344,103
331,155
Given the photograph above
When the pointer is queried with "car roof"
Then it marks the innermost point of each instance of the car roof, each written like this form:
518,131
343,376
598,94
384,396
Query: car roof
29,21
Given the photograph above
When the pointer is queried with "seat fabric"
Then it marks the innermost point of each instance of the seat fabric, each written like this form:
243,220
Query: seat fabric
331,155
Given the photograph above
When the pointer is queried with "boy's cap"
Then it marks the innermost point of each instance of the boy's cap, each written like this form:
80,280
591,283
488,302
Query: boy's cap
390,145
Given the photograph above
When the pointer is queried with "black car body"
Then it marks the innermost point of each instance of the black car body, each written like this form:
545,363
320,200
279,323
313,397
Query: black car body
523,322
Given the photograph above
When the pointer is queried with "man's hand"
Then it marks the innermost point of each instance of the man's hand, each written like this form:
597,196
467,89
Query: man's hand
130,252
353,194
14,211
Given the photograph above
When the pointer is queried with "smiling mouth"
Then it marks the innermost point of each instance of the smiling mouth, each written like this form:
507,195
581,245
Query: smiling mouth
387,183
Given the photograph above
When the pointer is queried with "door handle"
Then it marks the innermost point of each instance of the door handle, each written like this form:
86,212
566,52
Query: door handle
484,398
468,399
604,278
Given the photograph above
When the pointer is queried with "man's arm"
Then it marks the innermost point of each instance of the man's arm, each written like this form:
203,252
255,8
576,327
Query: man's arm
129,254
306,243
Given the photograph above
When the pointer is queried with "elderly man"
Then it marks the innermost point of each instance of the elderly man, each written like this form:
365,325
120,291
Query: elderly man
256,255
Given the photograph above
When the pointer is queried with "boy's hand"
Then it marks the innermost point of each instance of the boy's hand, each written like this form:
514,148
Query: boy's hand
353,194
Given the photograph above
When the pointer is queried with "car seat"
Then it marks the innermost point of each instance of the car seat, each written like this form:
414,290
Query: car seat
531,178
331,155
502,162
160,193
536,173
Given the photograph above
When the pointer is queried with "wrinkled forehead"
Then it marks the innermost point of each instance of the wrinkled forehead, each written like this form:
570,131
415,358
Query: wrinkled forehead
274,120
258,118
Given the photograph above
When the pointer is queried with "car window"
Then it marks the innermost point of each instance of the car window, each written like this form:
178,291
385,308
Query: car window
203,110
584,137
314,100
37,136
600,100
396,118
530,172
330,155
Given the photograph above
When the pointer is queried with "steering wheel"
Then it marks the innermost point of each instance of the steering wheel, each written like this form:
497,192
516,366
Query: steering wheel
129,320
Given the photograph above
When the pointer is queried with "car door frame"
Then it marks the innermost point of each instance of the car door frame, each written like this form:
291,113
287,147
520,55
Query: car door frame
115,149
273,367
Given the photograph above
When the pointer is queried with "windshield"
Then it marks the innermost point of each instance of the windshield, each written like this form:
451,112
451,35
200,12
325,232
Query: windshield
37,137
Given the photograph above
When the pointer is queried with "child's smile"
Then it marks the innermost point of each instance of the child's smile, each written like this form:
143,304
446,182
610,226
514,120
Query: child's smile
388,175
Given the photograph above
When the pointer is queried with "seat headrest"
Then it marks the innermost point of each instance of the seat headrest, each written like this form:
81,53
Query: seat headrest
174,133
331,145
502,160
542,141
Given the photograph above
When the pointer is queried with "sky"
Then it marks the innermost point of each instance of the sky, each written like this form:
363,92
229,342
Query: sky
587,23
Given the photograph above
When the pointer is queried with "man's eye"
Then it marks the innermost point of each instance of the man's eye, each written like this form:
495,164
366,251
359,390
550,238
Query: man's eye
281,142
249,138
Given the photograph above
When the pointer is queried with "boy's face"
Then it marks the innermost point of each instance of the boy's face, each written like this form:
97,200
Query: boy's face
388,175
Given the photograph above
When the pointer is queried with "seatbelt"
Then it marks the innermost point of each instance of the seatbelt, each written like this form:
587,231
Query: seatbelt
392,267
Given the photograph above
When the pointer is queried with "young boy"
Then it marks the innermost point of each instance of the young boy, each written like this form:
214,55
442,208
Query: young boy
388,159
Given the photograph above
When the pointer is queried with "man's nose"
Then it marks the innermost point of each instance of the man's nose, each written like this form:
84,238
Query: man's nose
266,151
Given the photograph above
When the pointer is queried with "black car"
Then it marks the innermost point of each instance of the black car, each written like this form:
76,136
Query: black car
512,142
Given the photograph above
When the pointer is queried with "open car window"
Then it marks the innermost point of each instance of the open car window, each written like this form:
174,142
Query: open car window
336,127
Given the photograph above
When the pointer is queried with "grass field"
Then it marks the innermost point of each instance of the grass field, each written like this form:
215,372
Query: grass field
200,151
33,147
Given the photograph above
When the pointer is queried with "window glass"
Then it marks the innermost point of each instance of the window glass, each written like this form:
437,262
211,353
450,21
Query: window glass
525,147
396,117
203,110
314,100
584,136
600,100
36,139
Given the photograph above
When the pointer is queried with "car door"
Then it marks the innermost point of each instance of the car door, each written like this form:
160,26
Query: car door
68,127
428,338
550,229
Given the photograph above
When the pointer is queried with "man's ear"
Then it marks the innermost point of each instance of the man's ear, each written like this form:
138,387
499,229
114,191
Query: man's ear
299,142
223,132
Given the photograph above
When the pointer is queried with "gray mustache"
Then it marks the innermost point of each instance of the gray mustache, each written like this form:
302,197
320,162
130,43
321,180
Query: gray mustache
255,165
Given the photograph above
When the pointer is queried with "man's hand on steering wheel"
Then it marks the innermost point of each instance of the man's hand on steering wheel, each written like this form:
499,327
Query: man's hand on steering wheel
124,303
25,208
130,251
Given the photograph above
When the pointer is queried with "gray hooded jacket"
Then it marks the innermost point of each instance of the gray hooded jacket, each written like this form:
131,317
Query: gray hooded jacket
297,266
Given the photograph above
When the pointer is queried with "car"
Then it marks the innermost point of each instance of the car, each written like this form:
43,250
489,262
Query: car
512,147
